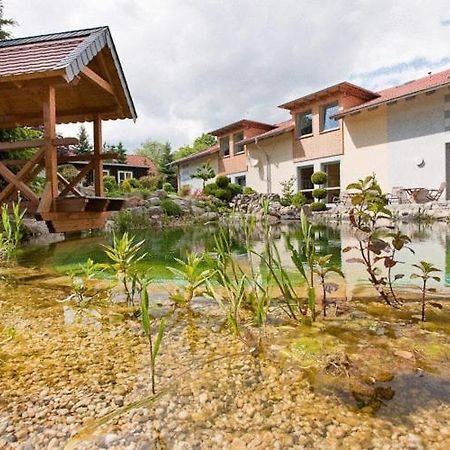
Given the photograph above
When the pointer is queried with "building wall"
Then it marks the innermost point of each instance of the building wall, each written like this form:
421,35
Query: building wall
392,140
185,170
236,163
275,163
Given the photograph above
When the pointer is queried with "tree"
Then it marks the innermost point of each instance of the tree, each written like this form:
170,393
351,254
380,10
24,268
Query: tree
204,172
84,146
152,150
119,149
200,143
164,166
4,34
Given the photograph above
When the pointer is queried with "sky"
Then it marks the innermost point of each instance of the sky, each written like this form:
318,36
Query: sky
195,65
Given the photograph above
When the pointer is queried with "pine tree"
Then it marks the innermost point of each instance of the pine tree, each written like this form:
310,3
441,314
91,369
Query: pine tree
84,146
5,23
122,152
163,164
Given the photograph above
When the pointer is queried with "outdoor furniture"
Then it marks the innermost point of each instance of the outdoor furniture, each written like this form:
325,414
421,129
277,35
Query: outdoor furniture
398,196
416,194
435,194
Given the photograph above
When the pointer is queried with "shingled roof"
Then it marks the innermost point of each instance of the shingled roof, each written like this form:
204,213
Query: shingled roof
424,84
66,56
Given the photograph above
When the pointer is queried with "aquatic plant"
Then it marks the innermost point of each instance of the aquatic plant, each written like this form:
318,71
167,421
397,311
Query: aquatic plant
124,256
323,268
147,325
79,282
425,271
12,230
376,242
307,253
193,278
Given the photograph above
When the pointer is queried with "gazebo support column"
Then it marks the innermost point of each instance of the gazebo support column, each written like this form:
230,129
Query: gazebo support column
98,162
51,157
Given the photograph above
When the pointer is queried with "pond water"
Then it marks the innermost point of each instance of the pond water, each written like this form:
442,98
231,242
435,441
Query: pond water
367,376
430,242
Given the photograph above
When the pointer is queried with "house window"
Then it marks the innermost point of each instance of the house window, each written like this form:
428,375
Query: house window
303,124
240,180
304,181
123,175
238,148
106,172
326,120
225,146
333,186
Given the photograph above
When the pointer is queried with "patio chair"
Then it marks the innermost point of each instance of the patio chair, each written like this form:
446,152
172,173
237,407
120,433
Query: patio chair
422,196
435,194
398,196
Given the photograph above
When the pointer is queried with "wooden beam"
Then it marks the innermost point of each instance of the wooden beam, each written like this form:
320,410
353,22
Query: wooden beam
67,183
34,143
90,157
49,110
97,80
98,163
12,179
52,76
77,179
24,172
46,203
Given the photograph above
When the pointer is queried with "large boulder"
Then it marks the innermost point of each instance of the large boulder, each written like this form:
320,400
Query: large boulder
161,193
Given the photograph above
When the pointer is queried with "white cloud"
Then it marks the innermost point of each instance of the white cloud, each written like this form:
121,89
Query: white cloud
195,65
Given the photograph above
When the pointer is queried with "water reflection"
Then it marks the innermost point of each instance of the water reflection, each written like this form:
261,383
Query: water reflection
430,243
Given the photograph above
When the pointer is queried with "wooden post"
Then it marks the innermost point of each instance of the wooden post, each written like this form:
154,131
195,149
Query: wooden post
49,109
98,163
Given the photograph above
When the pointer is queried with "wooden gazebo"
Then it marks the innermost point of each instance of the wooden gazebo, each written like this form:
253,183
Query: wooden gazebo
54,79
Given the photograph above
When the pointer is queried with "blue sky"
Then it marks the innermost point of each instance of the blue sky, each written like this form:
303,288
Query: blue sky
195,65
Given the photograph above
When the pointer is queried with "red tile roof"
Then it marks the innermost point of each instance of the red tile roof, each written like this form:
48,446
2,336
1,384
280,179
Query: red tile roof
241,124
141,161
404,90
330,90
281,128
208,151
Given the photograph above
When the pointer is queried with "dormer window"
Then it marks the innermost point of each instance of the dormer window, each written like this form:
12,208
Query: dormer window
224,143
238,148
303,124
327,122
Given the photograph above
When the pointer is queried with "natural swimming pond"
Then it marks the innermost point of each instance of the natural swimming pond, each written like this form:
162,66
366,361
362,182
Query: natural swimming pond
370,377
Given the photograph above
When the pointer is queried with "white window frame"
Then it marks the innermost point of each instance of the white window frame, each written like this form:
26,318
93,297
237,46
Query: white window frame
127,174
106,173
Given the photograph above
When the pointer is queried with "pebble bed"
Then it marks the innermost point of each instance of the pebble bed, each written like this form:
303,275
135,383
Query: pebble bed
62,373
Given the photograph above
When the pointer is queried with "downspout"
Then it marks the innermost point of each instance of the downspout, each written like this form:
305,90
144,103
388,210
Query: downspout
268,167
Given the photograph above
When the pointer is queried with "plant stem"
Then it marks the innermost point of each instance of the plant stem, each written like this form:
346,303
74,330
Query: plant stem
424,288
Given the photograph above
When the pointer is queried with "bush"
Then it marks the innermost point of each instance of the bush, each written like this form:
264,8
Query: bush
68,171
319,193
319,177
126,185
210,189
235,189
168,188
185,190
223,194
109,183
151,182
222,181
170,208
299,199
248,191
134,183
318,206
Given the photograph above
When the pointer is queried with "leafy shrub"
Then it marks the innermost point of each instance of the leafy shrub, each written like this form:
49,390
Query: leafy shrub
248,190
299,199
319,193
185,190
130,219
319,177
210,189
68,171
223,194
134,183
222,181
168,187
287,191
318,206
170,208
109,183
126,185
151,182
235,189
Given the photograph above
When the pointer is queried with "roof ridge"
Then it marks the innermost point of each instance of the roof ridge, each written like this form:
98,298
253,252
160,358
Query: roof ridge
50,36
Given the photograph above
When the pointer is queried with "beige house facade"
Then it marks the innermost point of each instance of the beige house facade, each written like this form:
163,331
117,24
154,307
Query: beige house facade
402,134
